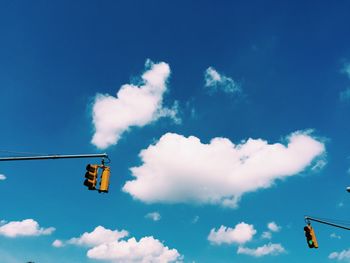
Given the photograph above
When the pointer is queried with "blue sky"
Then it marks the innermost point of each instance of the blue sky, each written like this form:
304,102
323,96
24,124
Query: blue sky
226,123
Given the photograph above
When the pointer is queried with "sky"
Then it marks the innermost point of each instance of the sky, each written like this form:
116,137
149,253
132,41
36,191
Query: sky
226,123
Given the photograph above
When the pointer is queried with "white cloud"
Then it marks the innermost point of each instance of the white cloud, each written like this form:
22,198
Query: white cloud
343,255
269,249
58,243
240,234
2,177
146,250
215,81
272,226
177,169
133,106
155,216
266,235
335,236
27,227
98,236
105,244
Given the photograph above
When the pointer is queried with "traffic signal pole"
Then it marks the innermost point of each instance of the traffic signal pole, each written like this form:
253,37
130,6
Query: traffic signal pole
92,169
308,219
44,157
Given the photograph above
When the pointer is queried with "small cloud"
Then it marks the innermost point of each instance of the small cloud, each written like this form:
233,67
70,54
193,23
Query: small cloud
27,227
341,204
269,249
272,226
195,219
155,216
335,236
343,255
266,235
240,234
2,177
216,81
58,243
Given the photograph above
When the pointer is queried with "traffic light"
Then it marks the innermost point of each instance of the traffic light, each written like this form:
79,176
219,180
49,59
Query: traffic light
91,176
310,237
104,183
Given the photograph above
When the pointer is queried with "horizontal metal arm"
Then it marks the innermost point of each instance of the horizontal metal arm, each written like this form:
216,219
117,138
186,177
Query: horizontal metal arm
325,222
27,158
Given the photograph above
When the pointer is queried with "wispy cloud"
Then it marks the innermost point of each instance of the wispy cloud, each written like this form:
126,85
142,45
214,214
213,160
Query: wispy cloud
216,81
27,227
269,249
105,244
195,220
155,216
240,234
335,236
272,226
179,169
343,255
266,235
134,105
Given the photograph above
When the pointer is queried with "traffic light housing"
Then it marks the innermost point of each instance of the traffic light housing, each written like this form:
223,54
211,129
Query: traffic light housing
310,237
104,182
91,176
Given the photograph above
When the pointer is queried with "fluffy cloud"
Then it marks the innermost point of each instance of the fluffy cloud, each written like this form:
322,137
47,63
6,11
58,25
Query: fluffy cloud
147,249
269,249
27,227
58,243
272,226
343,255
155,216
177,169
106,244
133,106
2,177
216,81
240,234
98,236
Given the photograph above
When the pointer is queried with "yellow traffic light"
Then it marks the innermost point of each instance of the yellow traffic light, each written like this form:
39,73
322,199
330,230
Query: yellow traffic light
104,183
91,176
310,237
